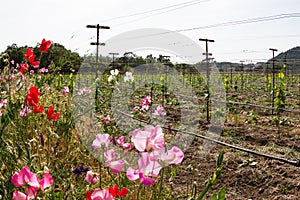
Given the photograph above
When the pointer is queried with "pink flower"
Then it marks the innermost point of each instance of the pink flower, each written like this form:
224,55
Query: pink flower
121,143
65,90
101,195
25,111
107,118
147,167
84,91
145,103
159,111
132,174
3,103
101,139
25,177
47,181
172,156
19,195
31,192
115,165
0,112
43,70
151,138
146,181
91,177
136,108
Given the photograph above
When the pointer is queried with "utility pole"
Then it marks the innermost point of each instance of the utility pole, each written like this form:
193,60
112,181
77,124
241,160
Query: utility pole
98,27
267,76
164,60
231,76
207,74
273,71
242,68
113,54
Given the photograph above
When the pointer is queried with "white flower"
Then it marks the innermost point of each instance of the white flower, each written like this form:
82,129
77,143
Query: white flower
111,78
128,77
114,72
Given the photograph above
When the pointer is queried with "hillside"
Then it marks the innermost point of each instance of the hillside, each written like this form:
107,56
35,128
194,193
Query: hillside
290,57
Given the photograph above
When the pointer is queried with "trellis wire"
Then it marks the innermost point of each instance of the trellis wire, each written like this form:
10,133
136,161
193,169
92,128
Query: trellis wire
290,162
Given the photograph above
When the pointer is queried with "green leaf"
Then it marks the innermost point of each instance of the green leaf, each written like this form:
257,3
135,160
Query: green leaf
220,158
222,194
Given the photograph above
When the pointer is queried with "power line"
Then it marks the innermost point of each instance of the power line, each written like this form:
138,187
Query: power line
290,162
157,9
230,23
141,18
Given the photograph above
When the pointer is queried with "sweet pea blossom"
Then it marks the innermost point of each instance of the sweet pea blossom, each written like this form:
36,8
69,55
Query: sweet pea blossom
172,156
107,118
100,140
115,165
27,178
107,194
99,194
113,74
24,111
121,142
91,177
19,196
149,138
30,57
84,91
145,103
50,114
45,45
65,90
3,103
23,68
147,167
128,77
79,170
32,99
115,192
159,111
43,70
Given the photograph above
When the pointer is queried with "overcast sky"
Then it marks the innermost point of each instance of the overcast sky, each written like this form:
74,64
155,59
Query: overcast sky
64,22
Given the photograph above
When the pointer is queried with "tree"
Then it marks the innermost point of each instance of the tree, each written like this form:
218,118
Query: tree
57,55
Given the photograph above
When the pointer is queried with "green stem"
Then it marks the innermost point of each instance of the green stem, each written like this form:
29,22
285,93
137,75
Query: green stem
206,189
161,181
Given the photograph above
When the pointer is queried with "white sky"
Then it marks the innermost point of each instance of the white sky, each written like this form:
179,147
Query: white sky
64,22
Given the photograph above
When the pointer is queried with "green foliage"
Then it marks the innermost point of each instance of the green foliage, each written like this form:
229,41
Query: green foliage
57,55
220,195
280,95
212,180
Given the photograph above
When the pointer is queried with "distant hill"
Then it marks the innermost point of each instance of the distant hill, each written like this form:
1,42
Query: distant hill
291,58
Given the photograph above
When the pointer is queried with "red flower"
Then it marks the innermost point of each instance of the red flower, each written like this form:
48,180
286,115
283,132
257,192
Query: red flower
45,45
28,53
31,56
35,64
50,114
24,68
89,194
115,192
38,110
32,99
